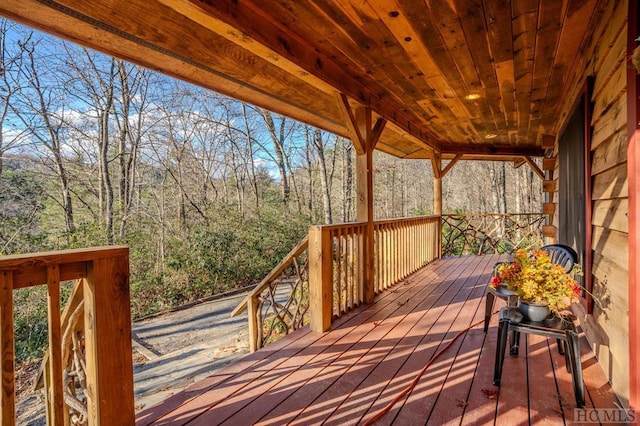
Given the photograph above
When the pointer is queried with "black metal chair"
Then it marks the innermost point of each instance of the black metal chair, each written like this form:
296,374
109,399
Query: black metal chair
560,254
562,329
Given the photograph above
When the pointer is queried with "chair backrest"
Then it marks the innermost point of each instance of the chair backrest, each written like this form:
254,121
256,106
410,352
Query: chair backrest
562,255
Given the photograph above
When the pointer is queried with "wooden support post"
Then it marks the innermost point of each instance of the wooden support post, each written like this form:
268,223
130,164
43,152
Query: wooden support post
364,136
436,163
8,395
107,318
56,396
364,213
252,313
320,279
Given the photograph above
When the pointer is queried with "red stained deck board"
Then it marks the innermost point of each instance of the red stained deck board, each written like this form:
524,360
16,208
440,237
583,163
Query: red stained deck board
426,338
293,400
356,368
355,404
480,409
338,397
513,399
449,409
544,407
422,399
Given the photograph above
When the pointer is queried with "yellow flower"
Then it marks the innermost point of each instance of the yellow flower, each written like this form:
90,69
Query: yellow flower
533,277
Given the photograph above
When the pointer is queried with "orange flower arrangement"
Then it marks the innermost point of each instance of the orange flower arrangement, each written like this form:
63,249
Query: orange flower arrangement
534,278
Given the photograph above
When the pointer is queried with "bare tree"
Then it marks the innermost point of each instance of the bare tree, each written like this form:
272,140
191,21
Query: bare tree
347,181
133,102
42,111
11,61
278,137
319,145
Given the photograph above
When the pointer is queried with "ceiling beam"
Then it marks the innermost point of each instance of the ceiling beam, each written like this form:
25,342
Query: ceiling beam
260,26
505,150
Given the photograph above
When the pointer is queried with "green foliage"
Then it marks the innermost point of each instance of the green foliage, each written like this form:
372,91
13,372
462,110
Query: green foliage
212,259
20,198
30,322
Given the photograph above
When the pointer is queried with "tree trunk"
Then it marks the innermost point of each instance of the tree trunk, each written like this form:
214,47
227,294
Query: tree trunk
318,143
347,189
278,139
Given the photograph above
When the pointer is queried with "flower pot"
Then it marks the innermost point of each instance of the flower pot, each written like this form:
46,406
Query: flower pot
535,312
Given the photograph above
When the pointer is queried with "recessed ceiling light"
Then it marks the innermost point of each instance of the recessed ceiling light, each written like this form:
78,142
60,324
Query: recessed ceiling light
472,96
490,136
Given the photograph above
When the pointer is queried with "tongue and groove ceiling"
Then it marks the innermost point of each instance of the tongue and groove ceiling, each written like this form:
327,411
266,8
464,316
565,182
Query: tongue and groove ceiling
483,78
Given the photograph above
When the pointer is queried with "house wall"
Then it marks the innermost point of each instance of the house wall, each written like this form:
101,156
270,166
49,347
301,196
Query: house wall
605,59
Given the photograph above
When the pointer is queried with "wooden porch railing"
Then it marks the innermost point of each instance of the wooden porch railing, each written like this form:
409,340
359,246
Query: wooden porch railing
465,234
103,286
403,246
326,275
278,306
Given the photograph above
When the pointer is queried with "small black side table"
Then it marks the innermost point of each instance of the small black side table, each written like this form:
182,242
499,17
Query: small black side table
561,329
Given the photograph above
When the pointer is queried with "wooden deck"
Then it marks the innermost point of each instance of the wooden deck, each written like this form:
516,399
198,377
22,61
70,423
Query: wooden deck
345,376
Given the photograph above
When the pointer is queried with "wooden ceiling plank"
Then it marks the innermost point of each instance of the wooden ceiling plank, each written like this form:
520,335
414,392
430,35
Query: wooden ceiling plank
397,21
392,127
501,46
432,39
474,26
550,18
357,24
453,34
506,82
524,33
196,14
266,29
577,12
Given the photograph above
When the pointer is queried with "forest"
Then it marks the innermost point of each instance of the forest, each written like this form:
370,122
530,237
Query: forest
209,193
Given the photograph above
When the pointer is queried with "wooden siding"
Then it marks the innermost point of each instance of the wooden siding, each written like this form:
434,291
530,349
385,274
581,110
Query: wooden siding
345,376
607,329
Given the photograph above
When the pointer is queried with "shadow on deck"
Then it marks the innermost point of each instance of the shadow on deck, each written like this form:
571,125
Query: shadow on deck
347,375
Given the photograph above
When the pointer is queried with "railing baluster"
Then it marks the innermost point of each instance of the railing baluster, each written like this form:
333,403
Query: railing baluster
7,405
337,242
56,398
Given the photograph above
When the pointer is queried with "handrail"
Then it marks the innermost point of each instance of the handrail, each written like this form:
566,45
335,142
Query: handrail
104,276
336,261
465,234
302,245
338,278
